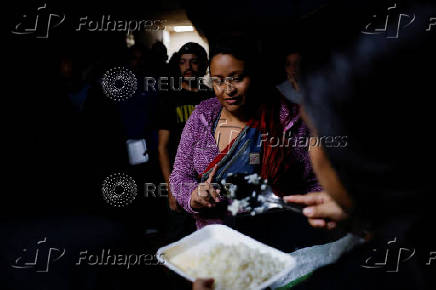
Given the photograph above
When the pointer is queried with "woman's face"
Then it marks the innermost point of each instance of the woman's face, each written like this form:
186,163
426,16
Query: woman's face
229,81
292,66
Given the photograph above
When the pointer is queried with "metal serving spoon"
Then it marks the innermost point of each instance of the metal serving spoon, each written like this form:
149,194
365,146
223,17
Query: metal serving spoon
262,199
269,201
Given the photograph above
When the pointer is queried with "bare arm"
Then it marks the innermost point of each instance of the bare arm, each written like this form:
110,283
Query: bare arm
165,165
164,157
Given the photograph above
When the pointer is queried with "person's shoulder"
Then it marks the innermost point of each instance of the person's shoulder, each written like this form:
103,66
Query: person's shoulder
290,109
209,105
207,110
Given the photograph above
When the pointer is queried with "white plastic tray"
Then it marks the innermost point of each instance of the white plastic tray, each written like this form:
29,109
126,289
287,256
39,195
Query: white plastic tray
207,237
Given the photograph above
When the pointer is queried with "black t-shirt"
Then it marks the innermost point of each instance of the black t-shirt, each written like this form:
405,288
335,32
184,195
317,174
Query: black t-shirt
175,109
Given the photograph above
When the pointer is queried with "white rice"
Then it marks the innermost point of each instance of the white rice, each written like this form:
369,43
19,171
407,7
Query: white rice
234,266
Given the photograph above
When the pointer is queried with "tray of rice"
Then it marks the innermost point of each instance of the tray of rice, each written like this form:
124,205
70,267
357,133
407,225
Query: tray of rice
234,260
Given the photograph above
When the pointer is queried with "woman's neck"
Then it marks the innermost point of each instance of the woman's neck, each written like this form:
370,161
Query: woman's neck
238,117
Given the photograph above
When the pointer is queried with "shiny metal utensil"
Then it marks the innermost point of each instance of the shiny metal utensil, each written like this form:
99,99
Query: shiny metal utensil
269,200
262,198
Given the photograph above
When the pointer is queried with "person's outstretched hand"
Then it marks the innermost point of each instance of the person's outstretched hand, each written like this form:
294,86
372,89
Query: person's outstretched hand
203,284
321,209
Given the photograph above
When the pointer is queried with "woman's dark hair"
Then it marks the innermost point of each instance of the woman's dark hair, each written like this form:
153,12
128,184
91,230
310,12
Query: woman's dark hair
243,49
291,49
240,48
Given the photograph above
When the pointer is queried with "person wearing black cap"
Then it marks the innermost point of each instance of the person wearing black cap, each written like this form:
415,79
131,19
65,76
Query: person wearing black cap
185,91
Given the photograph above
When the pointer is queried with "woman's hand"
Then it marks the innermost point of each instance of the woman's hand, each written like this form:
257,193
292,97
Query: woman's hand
172,202
293,80
205,195
203,284
321,210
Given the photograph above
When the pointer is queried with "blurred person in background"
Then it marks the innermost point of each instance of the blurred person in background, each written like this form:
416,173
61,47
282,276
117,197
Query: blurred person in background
159,58
188,65
122,137
290,87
